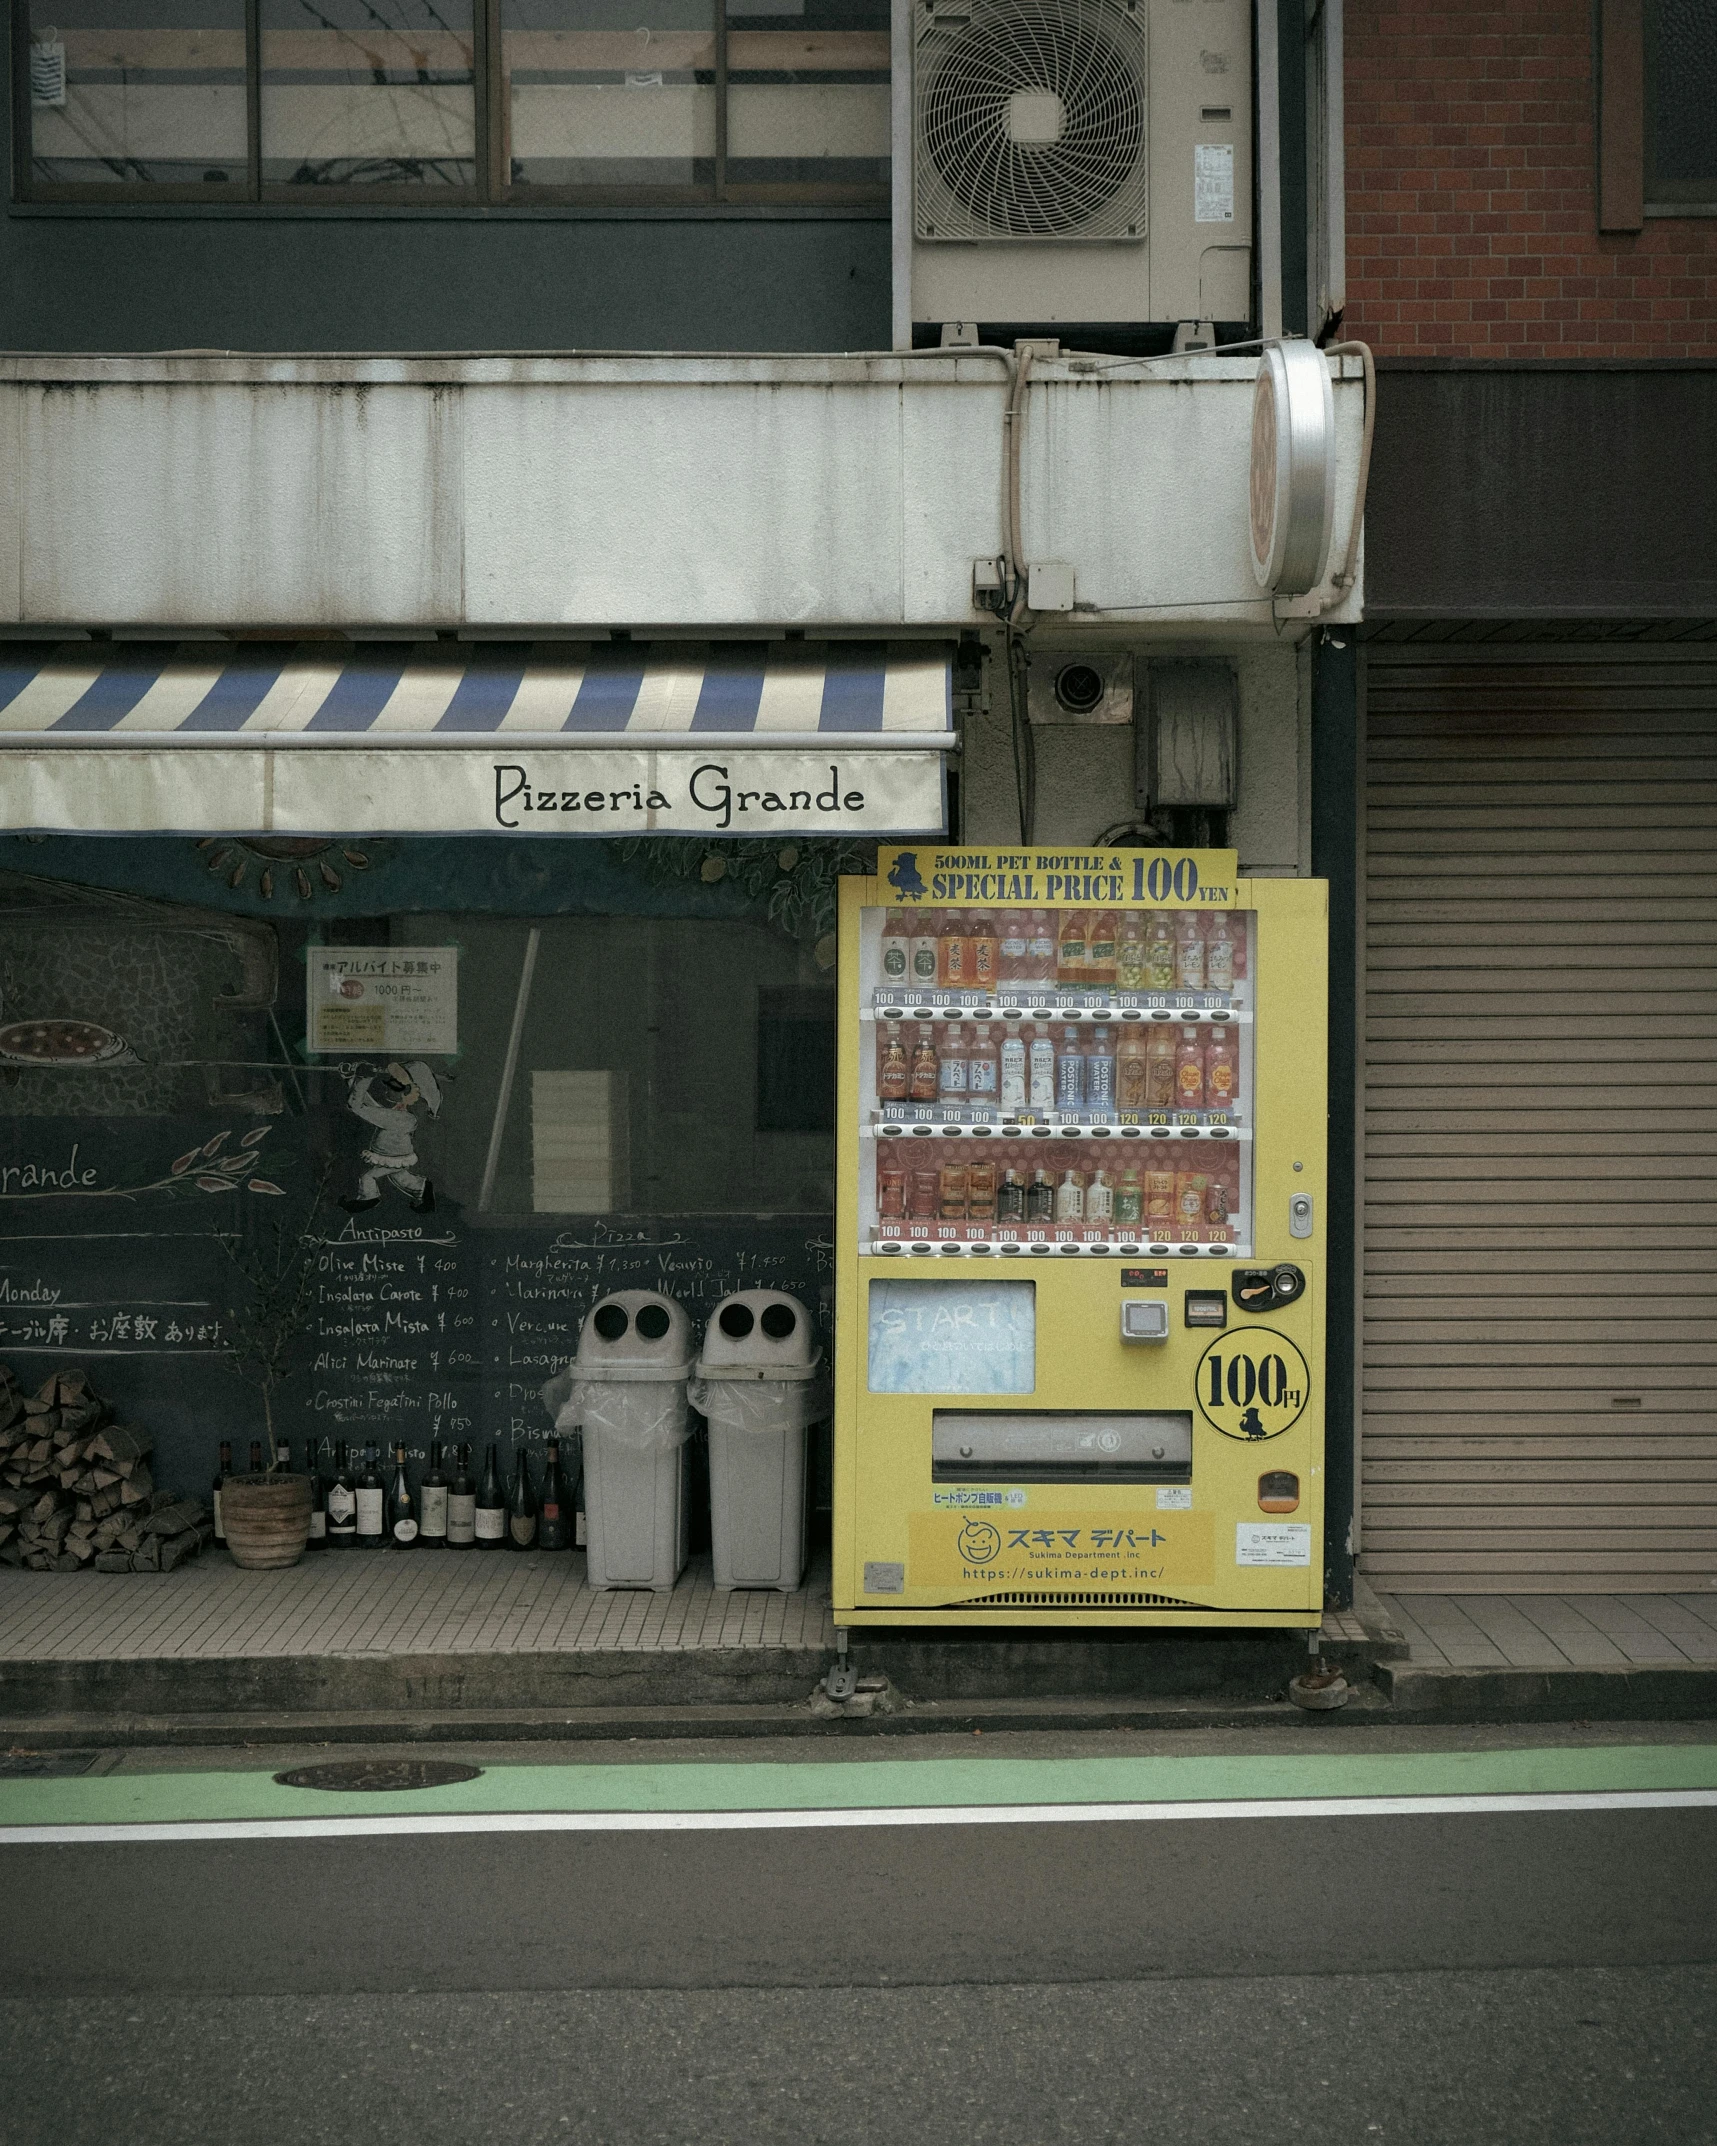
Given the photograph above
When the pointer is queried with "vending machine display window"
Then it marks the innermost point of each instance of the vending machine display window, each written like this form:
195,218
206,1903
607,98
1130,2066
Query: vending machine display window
1057,1080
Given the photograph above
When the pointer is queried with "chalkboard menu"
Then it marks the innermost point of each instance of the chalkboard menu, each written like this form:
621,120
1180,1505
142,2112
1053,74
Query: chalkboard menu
113,1236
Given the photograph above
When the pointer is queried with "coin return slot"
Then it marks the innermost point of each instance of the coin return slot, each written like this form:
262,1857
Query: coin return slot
1278,1491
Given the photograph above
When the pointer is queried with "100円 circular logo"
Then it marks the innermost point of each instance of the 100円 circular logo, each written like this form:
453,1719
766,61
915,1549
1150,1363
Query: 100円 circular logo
1252,1384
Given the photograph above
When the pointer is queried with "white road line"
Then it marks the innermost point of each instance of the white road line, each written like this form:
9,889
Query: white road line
778,1821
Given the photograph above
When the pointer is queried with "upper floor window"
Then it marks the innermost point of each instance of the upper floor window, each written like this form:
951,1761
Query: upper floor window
1680,105
671,102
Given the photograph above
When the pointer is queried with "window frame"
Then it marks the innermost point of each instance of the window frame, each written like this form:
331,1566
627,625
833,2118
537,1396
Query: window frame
1654,204
493,190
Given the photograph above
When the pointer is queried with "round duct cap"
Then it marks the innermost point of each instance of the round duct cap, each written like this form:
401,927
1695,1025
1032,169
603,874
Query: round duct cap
1293,468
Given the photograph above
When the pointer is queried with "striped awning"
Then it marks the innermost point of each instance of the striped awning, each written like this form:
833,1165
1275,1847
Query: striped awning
283,693
495,737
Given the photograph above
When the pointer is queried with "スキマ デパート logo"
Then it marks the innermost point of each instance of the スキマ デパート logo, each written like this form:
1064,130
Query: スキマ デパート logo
979,1543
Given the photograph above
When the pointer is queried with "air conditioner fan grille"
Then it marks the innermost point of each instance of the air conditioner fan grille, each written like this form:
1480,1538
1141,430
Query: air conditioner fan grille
1031,120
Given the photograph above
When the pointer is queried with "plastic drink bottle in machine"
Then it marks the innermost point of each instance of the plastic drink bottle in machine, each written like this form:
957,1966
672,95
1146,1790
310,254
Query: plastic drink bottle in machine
1220,1071
951,1070
1071,947
983,951
1189,952
1012,1082
1042,1075
983,1067
1069,1072
952,948
893,1076
1189,1071
1160,952
925,1079
1014,949
925,949
896,950
1219,954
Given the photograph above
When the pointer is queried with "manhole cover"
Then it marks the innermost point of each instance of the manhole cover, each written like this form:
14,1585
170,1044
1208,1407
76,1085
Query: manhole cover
43,1765
382,1774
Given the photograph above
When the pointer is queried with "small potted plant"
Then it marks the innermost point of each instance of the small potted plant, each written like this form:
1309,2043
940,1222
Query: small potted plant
267,1517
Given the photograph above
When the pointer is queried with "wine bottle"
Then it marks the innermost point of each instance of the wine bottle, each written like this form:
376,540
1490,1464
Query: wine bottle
256,1456
402,1506
282,1458
554,1524
522,1507
432,1505
462,1504
372,1502
221,1473
491,1508
342,1503
318,1497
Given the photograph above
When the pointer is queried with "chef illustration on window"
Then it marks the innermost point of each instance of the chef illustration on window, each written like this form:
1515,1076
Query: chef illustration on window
390,1101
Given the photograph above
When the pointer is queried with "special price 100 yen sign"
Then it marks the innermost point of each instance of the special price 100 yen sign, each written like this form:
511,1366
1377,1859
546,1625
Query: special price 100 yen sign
1106,878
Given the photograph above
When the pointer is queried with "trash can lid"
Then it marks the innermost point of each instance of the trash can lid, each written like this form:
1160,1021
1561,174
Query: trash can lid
635,1334
760,1334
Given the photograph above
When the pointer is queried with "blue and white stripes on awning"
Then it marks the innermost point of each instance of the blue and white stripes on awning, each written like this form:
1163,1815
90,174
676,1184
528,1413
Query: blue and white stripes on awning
311,691
599,737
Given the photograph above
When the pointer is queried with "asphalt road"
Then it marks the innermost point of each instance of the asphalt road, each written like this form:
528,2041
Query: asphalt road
1513,1976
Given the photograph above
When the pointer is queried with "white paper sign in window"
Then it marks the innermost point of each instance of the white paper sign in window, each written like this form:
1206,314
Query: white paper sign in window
397,999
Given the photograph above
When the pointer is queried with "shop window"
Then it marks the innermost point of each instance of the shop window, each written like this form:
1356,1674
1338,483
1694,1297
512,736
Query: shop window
138,97
604,97
665,1066
356,94
1680,100
795,1062
807,97
670,102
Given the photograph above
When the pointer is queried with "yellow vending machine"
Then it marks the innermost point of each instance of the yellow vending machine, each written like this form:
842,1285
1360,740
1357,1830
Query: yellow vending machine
1079,1363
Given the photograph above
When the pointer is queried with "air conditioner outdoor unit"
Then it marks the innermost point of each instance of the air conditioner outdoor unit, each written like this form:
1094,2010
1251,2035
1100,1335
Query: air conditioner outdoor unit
1076,161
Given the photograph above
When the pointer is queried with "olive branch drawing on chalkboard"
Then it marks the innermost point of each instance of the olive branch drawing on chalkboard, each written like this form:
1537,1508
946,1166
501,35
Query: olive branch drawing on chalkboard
210,1171
202,1169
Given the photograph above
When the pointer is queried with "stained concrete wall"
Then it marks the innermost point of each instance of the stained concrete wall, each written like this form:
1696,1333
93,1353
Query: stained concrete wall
1085,774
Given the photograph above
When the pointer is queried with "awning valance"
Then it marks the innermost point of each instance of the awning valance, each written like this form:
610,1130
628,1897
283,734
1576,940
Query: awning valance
570,737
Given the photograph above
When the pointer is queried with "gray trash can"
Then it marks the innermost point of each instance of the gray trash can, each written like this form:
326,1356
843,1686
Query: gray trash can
760,1385
626,1392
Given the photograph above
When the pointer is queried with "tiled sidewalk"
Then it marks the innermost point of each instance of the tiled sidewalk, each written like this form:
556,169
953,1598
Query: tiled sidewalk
387,1602
1550,1631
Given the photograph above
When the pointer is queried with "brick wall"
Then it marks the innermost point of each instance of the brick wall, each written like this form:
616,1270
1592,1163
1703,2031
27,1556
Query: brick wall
1472,209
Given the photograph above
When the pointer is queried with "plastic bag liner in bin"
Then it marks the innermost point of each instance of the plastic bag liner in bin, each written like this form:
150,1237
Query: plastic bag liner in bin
760,1385
626,1390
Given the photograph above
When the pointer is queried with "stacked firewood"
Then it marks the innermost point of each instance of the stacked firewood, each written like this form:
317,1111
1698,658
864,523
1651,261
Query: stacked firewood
76,1491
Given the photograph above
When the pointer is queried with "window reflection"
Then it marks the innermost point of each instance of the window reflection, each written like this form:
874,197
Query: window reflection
128,92
666,1066
368,93
808,100
607,93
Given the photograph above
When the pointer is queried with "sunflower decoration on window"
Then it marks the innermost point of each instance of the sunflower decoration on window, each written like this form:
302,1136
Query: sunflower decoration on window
301,867
795,883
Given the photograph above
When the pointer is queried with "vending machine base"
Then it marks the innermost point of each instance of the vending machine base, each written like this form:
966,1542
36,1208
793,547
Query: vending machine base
1080,1341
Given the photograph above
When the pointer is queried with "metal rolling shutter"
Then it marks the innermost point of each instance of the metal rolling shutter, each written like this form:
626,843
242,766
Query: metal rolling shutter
1539,1312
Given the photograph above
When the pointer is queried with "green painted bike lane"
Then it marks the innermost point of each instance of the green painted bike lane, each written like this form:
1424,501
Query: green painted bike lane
876,1785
